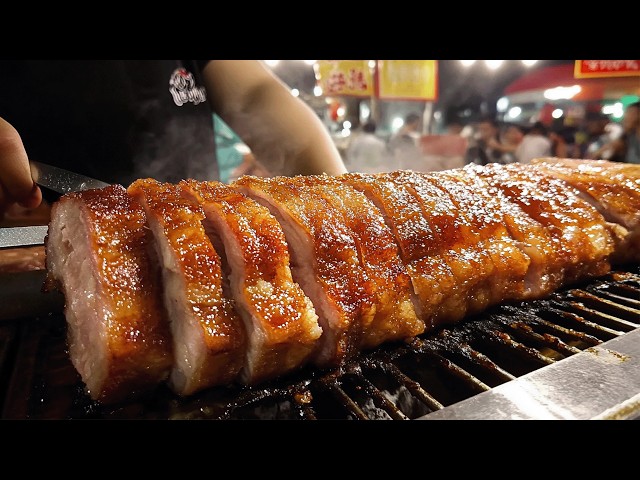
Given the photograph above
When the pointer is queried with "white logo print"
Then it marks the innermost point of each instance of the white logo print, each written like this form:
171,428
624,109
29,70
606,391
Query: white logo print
183,88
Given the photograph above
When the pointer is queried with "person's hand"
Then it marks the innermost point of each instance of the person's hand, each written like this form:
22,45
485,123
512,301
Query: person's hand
16,184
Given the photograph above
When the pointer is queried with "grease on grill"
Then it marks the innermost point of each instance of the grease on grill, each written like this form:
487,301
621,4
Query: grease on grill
396,381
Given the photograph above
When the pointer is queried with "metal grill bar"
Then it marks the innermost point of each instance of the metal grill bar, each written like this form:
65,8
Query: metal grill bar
414,387
571,313
617,297
472,382
569,332
380,400
503,339
607,308
352,407
483,361
546,340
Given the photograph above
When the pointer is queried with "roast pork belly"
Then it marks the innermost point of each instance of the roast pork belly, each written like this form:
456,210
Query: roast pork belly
613,188
505,217
324,261
208,335
484,226
402,211
280,320
97,256
578,231
387,278
456,243
203,284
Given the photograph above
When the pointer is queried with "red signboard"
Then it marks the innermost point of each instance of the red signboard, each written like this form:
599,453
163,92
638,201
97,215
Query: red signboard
606,68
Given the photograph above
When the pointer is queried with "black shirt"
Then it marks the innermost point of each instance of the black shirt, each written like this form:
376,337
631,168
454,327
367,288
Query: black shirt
114,120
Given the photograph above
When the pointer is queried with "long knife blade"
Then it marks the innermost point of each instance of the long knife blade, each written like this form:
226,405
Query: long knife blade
62,181
22,236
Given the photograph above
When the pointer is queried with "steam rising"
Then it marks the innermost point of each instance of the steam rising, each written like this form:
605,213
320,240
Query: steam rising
186,149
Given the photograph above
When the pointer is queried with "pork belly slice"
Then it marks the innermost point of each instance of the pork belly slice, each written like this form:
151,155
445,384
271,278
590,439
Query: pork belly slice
208,335
395,317
430,275
501,220
280,320
96,254
581,239
324,262
613,188
456,243
487,229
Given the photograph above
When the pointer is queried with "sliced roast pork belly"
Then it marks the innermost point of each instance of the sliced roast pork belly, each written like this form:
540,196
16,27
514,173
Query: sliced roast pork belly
208,335
280,320
487,229
395,317
97,255
613,188
324,261
431,276
502,221
580,236
456,244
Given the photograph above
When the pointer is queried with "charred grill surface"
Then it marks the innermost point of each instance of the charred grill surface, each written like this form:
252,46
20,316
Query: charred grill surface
395,381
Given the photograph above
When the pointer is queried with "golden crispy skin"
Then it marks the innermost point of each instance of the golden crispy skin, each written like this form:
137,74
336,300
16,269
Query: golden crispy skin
126,298
613,188
430,275
535,241
488,230
456,243
207,331
281,322
387,279
344,299
580,237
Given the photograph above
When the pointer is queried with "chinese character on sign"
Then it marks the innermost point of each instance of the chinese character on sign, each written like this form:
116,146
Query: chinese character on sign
357,80
606,68
336,82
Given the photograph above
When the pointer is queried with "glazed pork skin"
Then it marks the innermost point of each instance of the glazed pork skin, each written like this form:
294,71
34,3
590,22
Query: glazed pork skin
281,323
209,339
395,317
581,240
96,255
613,188
324,262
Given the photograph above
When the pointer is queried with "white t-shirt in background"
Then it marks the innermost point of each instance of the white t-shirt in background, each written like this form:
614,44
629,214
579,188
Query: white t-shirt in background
533,146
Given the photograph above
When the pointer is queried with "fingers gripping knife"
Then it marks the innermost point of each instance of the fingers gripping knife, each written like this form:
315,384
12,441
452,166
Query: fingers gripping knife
56,180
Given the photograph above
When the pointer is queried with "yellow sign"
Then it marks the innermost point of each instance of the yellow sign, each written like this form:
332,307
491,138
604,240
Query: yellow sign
606,68
345,77
407,79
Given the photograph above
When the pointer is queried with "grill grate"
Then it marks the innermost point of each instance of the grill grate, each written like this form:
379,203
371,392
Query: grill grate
396,381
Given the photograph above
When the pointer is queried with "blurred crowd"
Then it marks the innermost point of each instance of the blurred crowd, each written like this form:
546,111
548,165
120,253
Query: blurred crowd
487,140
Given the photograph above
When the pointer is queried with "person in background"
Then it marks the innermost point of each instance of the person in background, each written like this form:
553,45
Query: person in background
485,147
534,144
119,120
631,135
367,153
510,138
562,142
626,148
403,145
596,136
